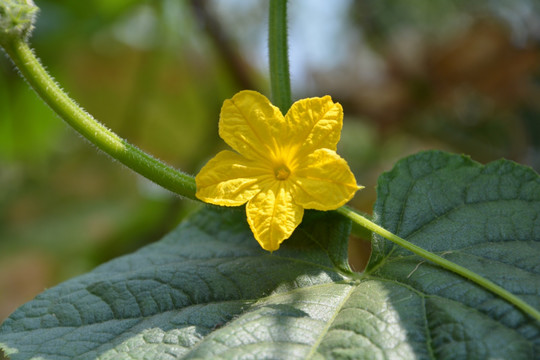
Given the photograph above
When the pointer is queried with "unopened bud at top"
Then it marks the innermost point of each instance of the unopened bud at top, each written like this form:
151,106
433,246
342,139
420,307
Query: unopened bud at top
17,18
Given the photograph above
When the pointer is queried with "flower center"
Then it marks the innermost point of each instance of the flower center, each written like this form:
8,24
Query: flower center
282,172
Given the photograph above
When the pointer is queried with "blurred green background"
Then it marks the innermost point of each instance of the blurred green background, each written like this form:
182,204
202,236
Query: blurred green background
460,76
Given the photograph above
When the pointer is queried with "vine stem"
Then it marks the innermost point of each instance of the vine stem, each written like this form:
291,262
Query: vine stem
278,52
183,184
106,140
448,265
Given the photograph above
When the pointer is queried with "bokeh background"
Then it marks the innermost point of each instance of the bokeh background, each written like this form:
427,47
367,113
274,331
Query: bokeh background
461,76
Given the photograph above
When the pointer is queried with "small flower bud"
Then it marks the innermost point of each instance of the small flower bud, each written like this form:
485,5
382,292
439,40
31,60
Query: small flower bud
17,18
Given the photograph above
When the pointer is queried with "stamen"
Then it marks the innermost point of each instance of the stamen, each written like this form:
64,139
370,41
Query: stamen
282,172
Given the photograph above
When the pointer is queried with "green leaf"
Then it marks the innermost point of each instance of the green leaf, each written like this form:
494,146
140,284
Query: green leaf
208,291
485,218
205,290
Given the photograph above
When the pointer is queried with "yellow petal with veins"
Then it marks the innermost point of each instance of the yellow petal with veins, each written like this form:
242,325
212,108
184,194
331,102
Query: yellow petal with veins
249,123
313,124
273,216
229,179
282,164
323,181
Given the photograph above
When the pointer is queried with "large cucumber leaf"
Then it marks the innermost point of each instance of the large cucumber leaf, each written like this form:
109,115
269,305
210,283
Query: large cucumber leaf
207,291
485,218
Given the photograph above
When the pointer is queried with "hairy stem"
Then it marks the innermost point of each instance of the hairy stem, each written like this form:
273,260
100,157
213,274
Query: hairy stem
448,265
106,140
279,55
183,184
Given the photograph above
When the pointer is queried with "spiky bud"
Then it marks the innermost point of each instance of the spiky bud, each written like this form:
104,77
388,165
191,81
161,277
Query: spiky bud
17,18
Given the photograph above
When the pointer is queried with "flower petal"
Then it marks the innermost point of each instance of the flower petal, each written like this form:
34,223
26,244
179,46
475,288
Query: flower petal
273,216
229,179
313,124
249,123
323,181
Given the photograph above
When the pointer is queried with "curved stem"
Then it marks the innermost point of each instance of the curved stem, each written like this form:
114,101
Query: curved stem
118,148
460,270
183,184
279,55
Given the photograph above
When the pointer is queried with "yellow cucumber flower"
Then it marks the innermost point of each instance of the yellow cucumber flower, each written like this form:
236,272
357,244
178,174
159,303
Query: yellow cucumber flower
282,165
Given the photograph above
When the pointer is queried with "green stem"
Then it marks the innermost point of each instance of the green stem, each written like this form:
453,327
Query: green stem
129,155
279,55
460,270
183,184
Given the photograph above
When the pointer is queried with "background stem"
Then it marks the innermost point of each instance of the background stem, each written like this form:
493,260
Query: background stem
279,55
106,140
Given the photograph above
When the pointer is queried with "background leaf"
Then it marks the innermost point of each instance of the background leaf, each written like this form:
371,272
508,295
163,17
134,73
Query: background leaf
208,291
